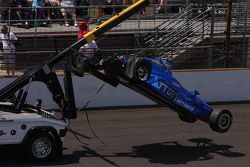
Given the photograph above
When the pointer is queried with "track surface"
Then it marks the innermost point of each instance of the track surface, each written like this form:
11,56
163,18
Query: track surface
148,137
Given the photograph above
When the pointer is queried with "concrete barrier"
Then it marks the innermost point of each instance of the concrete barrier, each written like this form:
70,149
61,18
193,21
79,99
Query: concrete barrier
214,86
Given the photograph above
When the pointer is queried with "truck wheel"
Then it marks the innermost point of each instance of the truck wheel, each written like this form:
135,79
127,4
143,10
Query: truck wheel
187,119
221,120
41,146
141,71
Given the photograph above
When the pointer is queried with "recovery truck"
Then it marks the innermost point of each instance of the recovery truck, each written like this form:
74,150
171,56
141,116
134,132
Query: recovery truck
41,132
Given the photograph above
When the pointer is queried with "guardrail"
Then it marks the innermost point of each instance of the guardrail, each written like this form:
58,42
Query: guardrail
28,20
33,17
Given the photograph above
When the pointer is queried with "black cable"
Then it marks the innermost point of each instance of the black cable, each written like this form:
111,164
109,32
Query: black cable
75,134
86,112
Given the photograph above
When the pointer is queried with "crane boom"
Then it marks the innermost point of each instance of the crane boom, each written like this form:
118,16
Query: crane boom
44,72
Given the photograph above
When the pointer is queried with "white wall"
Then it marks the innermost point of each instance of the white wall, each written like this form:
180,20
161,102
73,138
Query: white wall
218,86
214,86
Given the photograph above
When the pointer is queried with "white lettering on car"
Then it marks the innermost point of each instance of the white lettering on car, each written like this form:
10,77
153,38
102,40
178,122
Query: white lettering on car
183,104
6,120
167,90
171,94
2,133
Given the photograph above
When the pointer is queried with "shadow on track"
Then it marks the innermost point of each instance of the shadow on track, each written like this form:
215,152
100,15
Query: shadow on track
200,149
175,153
14,156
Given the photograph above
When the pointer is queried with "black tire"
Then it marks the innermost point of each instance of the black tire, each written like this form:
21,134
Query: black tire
221,120
187,119
141,71
42,147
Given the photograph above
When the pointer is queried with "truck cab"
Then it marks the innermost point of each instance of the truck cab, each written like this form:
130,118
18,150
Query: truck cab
39,132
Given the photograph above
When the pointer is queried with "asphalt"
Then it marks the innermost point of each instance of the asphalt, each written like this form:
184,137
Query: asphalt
148,137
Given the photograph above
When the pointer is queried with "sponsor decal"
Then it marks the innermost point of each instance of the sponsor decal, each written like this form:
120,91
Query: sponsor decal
13,132
184,104
170,93
6,120
2,133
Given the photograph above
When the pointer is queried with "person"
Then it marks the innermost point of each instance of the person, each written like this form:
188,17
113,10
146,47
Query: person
8,38
22,12
108,7
83,11
83,29
88,52
4,10
141,11
119,4
98,4
39,10
162,6
48,10
52,11
68,7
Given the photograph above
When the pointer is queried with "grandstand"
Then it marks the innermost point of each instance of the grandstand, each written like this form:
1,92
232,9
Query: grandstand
194,40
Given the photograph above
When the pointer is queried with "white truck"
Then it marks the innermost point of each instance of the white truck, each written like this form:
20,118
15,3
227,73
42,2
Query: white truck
39,132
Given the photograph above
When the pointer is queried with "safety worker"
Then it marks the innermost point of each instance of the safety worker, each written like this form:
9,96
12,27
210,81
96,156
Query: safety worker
87,53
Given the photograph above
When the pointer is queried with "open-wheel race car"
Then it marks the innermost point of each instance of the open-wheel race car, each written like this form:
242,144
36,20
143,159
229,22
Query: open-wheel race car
153,78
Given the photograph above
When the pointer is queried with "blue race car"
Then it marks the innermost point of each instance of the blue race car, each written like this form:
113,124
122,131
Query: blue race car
153,78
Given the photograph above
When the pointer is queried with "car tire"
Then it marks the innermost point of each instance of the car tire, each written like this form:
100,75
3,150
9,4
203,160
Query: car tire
42,147
187,119
141,71
221,120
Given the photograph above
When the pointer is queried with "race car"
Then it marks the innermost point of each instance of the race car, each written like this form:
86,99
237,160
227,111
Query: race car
153,78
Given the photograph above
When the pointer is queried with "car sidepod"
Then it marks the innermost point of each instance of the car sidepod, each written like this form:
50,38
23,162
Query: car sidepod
189,105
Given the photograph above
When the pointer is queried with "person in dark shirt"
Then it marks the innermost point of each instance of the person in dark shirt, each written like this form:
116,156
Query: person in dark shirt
21,11
5,4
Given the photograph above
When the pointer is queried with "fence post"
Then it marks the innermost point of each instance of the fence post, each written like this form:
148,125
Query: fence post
203,24
211,37
9,17
35,25
228,32
138,27
245,57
